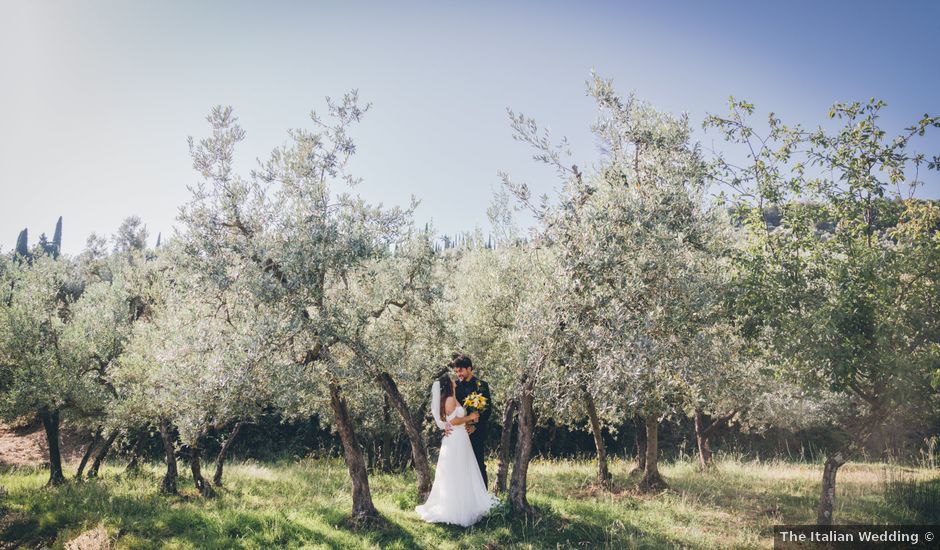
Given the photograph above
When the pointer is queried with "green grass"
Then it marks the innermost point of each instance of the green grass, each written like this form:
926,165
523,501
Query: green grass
919,497
306,505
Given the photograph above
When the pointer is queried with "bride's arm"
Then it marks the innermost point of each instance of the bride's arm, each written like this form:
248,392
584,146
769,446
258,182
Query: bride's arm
469,418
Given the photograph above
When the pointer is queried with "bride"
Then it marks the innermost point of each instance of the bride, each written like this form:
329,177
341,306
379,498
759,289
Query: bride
458,495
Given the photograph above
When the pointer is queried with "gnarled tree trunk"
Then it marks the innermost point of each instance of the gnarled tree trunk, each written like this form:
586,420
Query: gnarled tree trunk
91,447
419,453
651,480
101,453
168,485
526,426
352,452
702,435
603,473
50,422
505,440
704,449
195,465
640,424
828,497
220,460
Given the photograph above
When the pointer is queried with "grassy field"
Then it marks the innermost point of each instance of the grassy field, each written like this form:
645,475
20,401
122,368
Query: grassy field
306,505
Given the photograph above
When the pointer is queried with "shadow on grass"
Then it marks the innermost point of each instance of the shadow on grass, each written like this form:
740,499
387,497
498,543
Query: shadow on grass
785,501
153,520
768,500
40,517
580,525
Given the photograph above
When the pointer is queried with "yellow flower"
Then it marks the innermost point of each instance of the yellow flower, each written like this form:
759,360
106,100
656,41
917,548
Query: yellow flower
475,401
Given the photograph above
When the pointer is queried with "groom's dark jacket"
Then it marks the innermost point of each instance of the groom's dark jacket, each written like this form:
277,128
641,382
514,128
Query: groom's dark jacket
480,386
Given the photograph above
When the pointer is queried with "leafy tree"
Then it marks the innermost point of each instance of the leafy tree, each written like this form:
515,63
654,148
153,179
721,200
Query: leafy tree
642,268
34,376
848,305
96,248
399,347
500,313
50,330
101,327
298,246
131,235
197,361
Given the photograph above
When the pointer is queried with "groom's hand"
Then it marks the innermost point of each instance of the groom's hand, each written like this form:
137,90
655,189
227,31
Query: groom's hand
471,428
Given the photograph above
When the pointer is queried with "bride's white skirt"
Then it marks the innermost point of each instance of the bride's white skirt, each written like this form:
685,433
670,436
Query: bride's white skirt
458,495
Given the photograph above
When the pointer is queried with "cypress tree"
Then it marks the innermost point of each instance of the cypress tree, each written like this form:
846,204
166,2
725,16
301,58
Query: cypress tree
57,239
21,244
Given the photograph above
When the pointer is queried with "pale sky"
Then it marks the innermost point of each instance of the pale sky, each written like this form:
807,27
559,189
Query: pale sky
97,98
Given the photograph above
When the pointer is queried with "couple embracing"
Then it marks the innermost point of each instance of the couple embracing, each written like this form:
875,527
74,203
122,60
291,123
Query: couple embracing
461,409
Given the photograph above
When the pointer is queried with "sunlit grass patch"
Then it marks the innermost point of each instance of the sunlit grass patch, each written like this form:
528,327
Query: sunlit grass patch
306,505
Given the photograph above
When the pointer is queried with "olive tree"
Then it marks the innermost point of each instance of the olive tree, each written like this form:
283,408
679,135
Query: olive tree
501,311
402,348
58,336
36,377
300,247
842,290
642,254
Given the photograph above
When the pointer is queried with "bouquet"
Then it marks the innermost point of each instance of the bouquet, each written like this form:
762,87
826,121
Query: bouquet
475,402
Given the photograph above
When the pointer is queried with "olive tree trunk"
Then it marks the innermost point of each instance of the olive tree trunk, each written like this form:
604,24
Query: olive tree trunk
419,453
640,424
168,485
195,465
50,422
220,459
701,438
505,441
828,497
101,453
91,447
651,480
702,435
352,452
526,426
603,472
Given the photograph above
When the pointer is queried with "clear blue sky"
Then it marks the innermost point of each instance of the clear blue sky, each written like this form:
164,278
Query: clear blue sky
97,98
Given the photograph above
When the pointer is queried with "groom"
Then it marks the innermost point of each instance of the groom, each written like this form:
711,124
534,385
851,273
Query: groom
466,385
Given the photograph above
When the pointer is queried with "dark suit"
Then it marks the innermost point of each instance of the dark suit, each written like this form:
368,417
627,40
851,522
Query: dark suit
478,437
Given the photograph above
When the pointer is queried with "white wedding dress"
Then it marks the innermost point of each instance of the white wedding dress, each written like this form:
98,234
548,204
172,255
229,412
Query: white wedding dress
458,495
